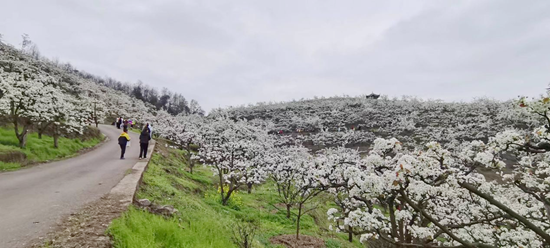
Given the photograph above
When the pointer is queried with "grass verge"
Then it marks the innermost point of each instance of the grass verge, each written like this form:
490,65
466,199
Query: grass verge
39,150
202,221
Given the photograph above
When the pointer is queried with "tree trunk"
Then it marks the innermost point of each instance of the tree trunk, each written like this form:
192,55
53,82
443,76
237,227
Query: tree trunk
401,231
56,137
41,129
220,174
226,198
56,141
190,162
350,234
249,185
288,211
392,217
22,137
298,221
95,115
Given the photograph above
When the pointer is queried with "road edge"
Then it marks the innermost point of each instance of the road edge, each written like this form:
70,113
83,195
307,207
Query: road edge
127,188
87,227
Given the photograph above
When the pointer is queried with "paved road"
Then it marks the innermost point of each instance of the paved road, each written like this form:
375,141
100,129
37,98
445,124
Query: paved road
33,200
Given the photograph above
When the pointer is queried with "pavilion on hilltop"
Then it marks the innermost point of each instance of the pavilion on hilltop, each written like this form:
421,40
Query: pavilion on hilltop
372,96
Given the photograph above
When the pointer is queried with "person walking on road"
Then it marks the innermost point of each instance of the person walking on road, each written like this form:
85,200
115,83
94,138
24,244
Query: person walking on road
144,138
123,141
119,123
125,124
150,130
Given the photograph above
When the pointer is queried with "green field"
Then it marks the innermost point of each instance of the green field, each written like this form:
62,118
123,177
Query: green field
40,150
202,221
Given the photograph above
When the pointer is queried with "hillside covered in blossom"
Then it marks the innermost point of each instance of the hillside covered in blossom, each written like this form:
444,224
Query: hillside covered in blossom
25,70
358,121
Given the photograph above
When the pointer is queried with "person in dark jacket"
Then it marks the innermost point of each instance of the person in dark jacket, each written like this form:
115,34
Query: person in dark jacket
123,140
119,123
144,138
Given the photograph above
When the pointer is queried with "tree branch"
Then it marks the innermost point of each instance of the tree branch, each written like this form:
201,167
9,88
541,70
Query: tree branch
509,211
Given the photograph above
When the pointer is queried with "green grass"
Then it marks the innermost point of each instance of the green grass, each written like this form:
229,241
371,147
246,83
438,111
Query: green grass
202,221
135,130
9,166
40,150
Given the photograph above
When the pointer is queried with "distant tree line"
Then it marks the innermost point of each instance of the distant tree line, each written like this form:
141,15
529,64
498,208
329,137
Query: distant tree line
171,102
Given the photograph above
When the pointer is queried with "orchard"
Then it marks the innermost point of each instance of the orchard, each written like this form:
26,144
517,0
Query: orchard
433,194
403,172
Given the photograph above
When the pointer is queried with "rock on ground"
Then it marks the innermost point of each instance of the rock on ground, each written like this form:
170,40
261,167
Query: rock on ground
165,210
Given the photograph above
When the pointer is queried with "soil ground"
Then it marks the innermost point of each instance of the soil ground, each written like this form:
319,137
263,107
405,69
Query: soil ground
85,228
290,241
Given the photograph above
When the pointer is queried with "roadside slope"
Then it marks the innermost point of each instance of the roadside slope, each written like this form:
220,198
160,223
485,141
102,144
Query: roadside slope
34,199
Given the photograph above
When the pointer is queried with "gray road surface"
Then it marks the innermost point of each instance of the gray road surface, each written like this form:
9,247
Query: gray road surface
33,200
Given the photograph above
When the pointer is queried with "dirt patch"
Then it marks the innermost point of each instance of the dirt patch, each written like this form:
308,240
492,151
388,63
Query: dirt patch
85,228
12,156
305,241
162,148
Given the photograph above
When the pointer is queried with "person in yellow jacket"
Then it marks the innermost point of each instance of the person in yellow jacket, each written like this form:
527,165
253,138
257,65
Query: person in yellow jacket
123,140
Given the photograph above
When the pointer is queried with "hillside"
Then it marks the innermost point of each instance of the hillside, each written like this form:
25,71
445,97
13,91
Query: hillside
202,221
108,96
327,121
39,97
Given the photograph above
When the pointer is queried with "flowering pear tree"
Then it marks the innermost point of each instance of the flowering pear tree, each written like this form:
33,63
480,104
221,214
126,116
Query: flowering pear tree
336,162
257,158
286,166
58,111
19,102
97,112
299,179
187,136
68,117
45,113
225,144
434,197
165,125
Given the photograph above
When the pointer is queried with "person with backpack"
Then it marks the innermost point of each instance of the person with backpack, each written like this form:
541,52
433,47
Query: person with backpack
144,138
123,141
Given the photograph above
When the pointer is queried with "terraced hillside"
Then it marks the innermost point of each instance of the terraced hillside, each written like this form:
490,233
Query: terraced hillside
357,121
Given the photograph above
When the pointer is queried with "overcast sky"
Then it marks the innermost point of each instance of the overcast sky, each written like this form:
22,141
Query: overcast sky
238,52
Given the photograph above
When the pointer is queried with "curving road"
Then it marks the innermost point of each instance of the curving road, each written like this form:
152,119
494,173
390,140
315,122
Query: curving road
33,200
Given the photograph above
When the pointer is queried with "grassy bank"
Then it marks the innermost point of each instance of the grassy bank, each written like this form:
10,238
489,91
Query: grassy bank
39,150
202,221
